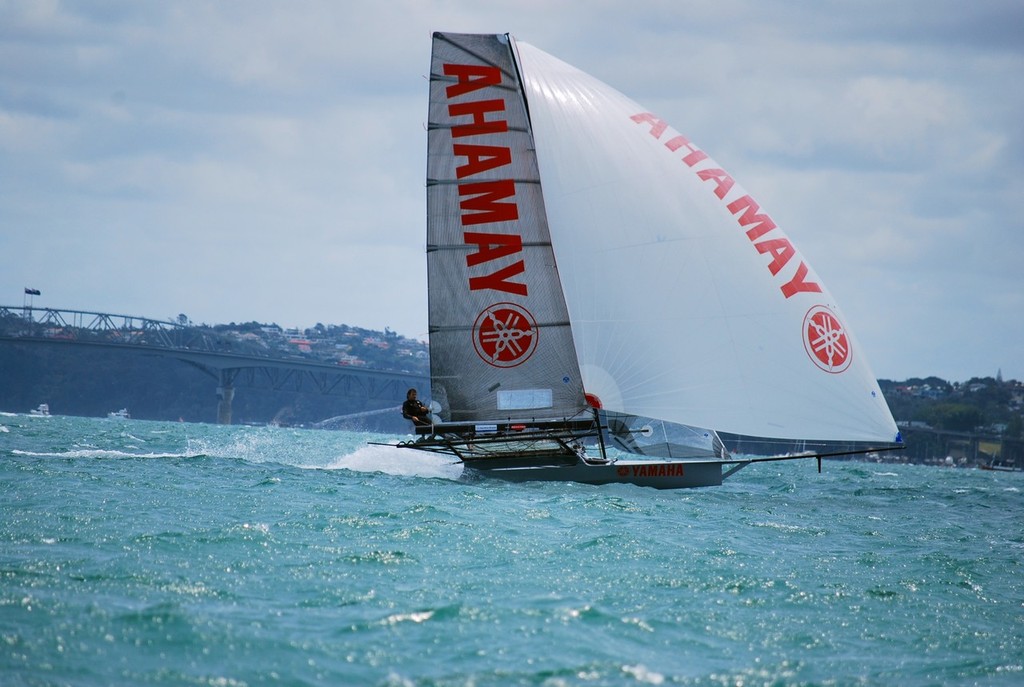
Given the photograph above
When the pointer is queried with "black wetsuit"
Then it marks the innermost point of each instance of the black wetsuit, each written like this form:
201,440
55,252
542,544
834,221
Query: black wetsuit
416,411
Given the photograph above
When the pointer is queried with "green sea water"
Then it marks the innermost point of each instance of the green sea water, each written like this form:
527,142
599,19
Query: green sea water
147,553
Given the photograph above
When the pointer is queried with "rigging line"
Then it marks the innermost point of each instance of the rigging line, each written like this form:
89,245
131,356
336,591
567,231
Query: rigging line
520,84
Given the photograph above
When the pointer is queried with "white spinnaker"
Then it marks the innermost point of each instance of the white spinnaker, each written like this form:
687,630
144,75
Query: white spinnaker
675,313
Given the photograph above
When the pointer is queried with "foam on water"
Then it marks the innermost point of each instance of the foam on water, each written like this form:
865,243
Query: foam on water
397,461
99,454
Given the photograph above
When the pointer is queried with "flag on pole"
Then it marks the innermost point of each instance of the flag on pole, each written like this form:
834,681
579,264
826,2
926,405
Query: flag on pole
33,292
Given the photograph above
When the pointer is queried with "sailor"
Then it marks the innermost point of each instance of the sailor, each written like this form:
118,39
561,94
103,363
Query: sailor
413,410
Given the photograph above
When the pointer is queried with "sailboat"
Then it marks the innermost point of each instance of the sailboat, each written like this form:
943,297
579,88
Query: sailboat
606,303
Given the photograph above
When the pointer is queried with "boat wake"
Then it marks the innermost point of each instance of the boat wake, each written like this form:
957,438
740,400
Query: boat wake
102,454
396,461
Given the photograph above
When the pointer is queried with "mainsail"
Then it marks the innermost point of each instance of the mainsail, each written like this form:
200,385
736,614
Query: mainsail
500,341
639,277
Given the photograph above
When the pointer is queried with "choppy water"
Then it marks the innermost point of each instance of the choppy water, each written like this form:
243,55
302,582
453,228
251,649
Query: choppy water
142,553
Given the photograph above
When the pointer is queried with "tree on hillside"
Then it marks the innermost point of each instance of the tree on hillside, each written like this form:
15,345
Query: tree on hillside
1015,427
957,417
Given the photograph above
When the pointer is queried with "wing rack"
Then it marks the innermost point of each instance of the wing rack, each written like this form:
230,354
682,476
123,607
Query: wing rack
510,443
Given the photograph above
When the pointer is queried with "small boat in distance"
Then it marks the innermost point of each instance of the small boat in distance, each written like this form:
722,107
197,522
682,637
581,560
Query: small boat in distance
43,410
606,303
119,414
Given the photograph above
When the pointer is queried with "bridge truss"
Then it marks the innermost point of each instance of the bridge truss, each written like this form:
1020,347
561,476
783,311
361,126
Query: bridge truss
212,352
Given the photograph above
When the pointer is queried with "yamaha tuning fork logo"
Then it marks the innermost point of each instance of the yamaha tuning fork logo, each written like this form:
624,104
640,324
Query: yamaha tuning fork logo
505,335
825,340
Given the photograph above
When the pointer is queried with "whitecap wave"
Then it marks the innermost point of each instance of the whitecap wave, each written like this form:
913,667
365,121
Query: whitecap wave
396,461
98,453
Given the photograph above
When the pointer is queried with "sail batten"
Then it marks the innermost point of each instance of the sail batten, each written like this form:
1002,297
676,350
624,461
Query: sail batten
441,182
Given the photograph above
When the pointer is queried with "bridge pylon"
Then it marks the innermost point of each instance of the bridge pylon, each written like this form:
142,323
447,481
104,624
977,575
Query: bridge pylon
225,394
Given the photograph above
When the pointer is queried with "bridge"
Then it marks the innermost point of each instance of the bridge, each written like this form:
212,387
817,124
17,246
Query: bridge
203,347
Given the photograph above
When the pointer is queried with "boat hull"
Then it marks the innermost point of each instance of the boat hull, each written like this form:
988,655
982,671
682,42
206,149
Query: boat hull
659,475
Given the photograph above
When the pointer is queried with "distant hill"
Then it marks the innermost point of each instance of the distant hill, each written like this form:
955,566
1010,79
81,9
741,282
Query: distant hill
981,404
964,424
79,381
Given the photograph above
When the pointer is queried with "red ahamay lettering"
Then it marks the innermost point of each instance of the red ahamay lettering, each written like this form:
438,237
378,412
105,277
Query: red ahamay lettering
493,265
746,210
490,247
480,158
483,197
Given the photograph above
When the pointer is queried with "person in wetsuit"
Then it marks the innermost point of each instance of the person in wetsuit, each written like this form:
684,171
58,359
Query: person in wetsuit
413,410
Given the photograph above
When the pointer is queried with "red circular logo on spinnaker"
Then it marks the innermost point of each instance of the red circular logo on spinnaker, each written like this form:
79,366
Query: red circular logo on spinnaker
825,340
505,335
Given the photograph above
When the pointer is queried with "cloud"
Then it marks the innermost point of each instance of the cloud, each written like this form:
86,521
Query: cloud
267,162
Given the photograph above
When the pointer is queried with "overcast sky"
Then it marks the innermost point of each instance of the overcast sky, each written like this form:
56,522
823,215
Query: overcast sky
240,161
